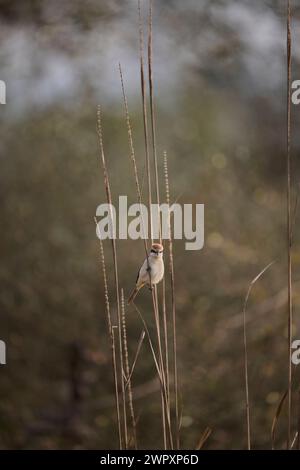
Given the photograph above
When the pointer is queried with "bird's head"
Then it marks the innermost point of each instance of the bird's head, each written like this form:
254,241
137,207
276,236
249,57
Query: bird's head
156,250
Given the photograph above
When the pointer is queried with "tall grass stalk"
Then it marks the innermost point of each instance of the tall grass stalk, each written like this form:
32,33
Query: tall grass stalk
164,396
155,305
127,370
157,192
112,339
279,408
247,399
207,432
298,423
116,274
166,338
172,277
289,222
160,376
145,117
152,109
132,157
155,164
140,342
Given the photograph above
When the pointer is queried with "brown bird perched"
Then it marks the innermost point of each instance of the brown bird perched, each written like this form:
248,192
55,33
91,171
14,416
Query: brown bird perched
151,271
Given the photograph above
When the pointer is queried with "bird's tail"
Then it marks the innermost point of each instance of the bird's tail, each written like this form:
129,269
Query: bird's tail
134,294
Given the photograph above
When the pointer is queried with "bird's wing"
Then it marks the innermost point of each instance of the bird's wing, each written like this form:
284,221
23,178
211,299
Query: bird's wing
143,273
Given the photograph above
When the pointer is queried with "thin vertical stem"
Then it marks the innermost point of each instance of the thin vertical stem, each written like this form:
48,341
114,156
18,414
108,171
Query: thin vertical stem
112,339
161,362
127,370
113,343
159,373
289,227
298,424
246,373
166,345
145,119
133,159
154,152
115,261
171,268
132,155
246,350
152,114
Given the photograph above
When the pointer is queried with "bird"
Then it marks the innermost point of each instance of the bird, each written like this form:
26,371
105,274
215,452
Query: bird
151,271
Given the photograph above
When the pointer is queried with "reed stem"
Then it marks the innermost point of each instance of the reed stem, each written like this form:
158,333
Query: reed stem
289,226
116,274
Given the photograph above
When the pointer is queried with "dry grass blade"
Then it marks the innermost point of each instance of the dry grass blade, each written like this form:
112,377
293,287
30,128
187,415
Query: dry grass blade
145,119
150,342
113,345
111,337
276,418
165,403
133,160
289,227
279,409
136,357
129,131
295,212
154,152
171,268
132,153
295,440
127,370
246,351
160,375
152,110
166,342
115,261
298,432
204,438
